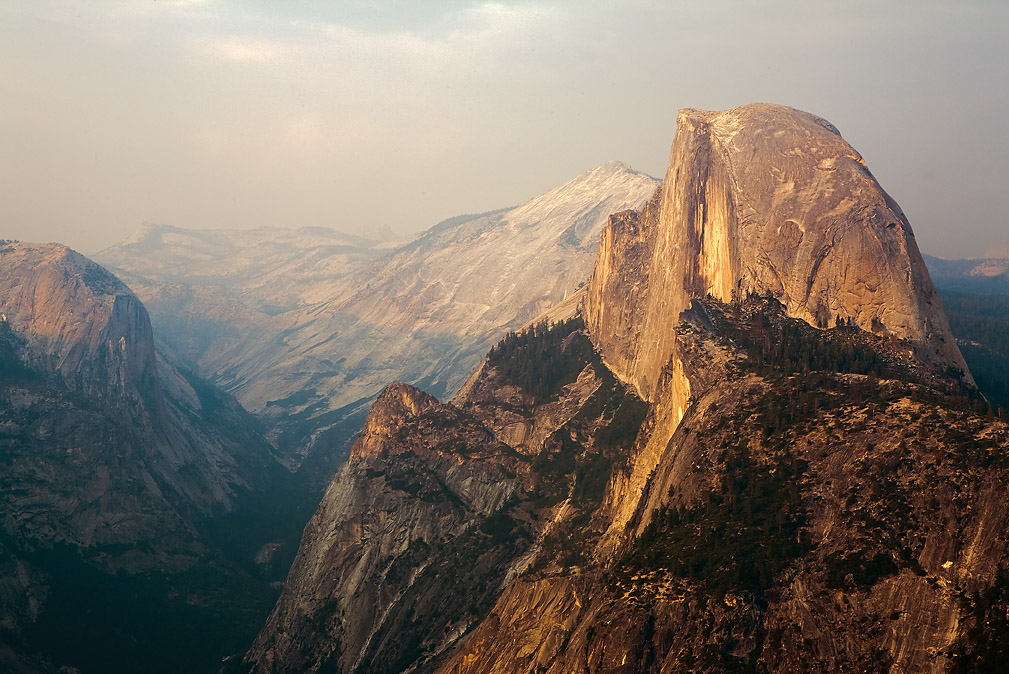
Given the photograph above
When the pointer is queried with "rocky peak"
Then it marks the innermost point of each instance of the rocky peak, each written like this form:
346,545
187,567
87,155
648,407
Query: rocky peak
761,199
439,505
396,404
83,323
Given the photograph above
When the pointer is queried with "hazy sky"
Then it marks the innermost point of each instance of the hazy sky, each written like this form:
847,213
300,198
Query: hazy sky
357,114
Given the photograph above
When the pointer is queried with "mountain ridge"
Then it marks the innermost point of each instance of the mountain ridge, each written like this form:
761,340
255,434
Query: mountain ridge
984,275
423,313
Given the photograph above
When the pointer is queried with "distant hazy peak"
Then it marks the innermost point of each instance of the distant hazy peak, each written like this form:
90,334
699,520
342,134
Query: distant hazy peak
984,274
144,232
598,176
612,166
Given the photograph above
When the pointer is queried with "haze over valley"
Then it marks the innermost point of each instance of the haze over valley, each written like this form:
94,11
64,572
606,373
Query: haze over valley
372,338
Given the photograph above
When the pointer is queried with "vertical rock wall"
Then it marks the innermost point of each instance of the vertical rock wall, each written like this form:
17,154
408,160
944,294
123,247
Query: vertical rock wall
770,200
84,323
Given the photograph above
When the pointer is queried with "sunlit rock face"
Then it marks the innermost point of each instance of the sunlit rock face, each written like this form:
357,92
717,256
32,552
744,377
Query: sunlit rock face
761,199
82,323
501,533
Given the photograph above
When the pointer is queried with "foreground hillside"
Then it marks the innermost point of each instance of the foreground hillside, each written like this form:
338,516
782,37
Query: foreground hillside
805,515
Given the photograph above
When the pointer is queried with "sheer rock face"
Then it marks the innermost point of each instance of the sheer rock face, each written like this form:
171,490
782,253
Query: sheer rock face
761,199
693,365
95,400
82,322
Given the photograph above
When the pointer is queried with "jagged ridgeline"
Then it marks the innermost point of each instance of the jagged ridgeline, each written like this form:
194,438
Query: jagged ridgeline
757,449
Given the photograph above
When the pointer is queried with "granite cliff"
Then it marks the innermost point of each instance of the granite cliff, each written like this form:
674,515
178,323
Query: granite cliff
760,450
796,520
761,199
804,515
115,466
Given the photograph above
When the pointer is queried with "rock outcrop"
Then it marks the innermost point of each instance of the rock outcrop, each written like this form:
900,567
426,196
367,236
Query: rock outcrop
440,506
761,199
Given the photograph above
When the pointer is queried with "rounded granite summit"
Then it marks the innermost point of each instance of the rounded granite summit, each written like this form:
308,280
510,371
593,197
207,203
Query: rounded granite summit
83,322
762,199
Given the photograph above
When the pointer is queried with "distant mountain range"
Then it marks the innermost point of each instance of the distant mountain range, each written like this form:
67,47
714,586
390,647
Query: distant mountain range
305,327
717,423
978,275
